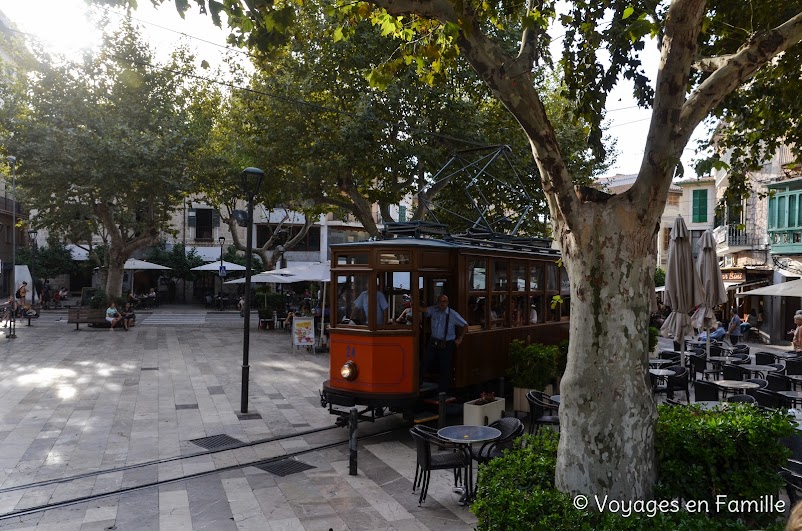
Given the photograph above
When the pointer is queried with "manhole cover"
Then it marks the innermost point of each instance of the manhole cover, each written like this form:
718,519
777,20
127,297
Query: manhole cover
284,467
215,442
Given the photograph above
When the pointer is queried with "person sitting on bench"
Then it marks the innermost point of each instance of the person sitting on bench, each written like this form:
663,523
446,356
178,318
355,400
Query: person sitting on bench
112,315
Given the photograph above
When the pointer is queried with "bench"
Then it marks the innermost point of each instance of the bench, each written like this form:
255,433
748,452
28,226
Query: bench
86,315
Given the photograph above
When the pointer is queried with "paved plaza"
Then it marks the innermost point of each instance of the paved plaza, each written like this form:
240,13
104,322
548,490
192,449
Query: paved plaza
89,412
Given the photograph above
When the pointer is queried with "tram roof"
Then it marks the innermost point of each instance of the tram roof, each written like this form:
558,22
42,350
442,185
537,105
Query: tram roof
455,243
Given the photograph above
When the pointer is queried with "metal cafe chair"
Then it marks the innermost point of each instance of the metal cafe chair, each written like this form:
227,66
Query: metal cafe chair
511,428
537,414
457,459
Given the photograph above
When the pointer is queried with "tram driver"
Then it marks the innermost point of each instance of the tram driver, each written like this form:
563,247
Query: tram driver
444,338
361,307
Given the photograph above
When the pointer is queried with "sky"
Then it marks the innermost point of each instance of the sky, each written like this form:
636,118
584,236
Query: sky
63,25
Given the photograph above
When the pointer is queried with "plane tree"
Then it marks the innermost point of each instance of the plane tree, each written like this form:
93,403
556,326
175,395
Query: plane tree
709,53
102,145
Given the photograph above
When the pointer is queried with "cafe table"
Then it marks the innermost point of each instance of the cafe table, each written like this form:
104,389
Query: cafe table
718,360
467,435
796,379
785,355
657,363
795,396
555,398
736,385
758,370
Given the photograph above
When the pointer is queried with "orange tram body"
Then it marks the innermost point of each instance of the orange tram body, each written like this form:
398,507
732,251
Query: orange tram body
504,289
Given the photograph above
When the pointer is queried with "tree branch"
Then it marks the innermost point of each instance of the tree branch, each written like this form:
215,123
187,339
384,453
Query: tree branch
441,10
739,67
711,64
664,143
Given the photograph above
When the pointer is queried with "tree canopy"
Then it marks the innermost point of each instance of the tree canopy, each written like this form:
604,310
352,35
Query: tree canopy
102,145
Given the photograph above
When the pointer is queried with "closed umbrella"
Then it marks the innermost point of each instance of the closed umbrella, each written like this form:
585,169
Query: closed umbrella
683,285
712,285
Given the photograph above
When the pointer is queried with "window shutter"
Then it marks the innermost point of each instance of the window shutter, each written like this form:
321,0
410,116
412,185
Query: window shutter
402,214
215,218
191,217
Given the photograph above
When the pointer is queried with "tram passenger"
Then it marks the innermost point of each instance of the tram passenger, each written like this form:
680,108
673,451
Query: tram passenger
440,347
361,303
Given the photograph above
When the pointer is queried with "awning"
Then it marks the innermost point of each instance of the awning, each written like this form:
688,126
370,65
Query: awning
731,286
783,289
659,289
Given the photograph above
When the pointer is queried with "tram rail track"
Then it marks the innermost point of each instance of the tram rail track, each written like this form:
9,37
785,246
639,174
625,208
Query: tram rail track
184,477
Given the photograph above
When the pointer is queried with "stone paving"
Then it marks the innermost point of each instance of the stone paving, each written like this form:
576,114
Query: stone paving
78,402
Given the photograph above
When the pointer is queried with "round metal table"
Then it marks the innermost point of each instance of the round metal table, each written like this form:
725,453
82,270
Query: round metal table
466,434
736,385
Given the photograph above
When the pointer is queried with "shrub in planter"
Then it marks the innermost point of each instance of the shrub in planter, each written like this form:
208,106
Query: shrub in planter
653,333
533,366
733,451
700,454
516,492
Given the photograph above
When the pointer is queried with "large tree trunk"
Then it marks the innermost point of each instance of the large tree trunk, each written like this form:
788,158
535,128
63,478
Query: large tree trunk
608,413
114,277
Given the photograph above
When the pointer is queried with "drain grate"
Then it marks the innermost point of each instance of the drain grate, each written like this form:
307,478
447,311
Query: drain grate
216,442
285,467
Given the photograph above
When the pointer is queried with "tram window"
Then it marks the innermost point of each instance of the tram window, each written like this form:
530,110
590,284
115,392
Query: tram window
348,289
500,275
353,259
536,309
518,277
397,286
477,271
552,275
520,310
476,312
394,258
536,277
499,317
565,284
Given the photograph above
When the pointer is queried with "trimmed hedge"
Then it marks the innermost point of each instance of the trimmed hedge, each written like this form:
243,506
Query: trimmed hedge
700,454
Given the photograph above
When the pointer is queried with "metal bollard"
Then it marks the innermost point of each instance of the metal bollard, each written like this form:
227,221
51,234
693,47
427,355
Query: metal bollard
353,424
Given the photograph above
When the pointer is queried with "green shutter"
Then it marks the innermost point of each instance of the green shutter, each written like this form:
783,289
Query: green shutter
699,206
402,213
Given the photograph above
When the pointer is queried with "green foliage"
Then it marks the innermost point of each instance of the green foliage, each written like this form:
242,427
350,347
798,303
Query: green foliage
516,493
103,144
659,277
98,299
177,259
534,366
734,451
653,335
235,256
270,301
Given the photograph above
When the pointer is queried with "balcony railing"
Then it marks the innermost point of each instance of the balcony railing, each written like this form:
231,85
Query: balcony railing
728,236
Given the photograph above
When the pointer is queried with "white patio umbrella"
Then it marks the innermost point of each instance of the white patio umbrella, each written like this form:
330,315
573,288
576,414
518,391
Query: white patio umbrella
265,278
312,272
683,285
215,266
712,285
133,263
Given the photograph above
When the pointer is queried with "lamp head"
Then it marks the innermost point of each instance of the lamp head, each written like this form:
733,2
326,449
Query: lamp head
221,239
251,179
11,159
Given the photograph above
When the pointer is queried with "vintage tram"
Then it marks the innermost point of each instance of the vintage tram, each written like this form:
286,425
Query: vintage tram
504,287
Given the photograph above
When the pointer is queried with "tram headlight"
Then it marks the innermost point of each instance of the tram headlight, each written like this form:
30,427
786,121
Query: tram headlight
348,371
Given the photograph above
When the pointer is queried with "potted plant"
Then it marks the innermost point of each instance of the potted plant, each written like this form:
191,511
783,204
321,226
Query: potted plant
484,410
536,366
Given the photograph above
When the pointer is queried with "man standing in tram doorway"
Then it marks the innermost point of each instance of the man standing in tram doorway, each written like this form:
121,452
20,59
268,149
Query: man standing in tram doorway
444,338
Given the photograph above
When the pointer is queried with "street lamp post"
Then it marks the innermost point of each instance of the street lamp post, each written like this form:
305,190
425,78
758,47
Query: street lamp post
221,272
13,326
32,234
251,181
